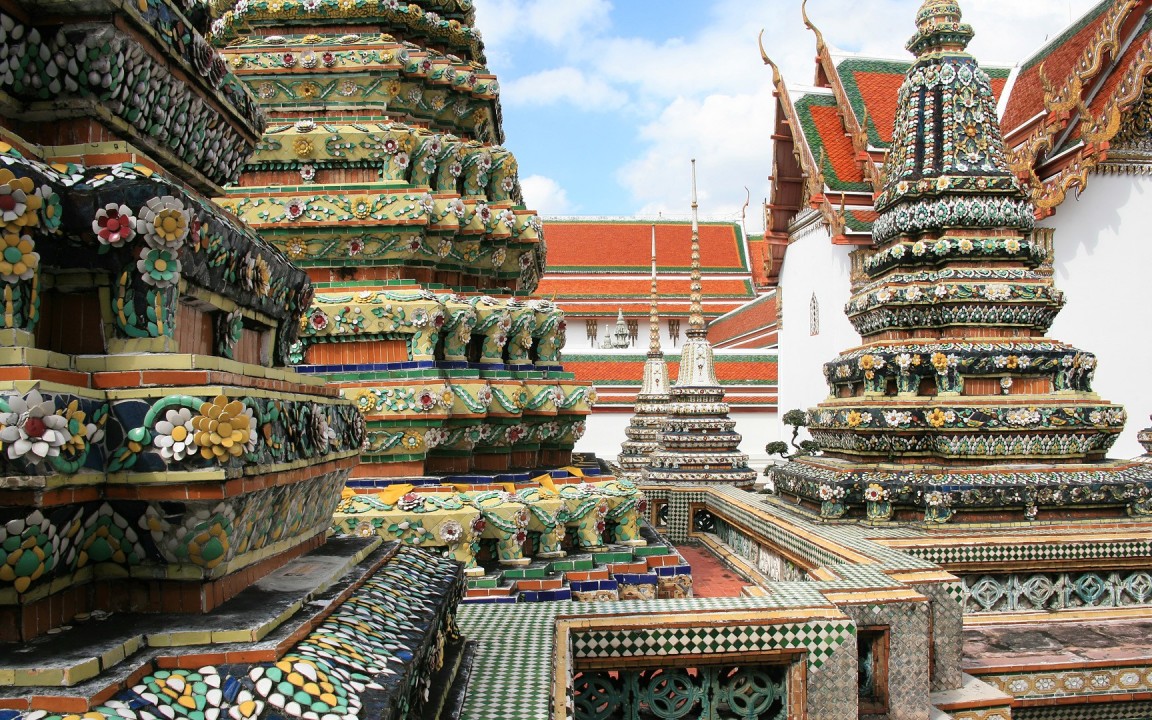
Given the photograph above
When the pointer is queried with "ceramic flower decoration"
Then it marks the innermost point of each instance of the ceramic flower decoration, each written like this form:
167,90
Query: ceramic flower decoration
159,267
174,435
164,223
222,429
114,225
32,429
18,261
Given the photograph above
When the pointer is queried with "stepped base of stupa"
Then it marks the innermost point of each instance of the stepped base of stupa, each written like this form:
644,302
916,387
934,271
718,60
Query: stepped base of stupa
834,488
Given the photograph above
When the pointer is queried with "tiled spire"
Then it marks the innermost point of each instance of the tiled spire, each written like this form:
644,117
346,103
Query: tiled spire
698,442
938,27
954,373
696,364
653,307
696,307
644,429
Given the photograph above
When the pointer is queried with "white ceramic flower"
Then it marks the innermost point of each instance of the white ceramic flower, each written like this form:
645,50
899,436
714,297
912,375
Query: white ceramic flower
33,427
174,435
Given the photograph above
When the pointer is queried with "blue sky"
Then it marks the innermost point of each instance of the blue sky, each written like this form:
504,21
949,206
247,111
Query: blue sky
605,101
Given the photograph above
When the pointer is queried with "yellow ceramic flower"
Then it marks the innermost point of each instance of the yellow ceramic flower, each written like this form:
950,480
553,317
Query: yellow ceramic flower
309,90
940,362
393,89
297,248
77,429
221,428
366,402
18,201
18,259
867,362
263,277
936,418
302,147
854,418
171,225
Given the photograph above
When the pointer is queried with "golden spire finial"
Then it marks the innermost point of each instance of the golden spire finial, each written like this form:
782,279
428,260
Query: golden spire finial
808,24
696,306
776,78
653,309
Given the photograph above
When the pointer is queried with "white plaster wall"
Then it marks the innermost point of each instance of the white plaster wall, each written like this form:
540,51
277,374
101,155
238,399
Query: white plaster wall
812,264
577,334
605,432
1103,263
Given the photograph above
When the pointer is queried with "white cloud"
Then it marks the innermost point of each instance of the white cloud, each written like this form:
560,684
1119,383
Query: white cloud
545,195
563,85
706,94
507,22
724,133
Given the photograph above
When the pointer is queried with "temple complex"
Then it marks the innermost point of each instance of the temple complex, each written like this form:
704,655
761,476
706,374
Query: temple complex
287,435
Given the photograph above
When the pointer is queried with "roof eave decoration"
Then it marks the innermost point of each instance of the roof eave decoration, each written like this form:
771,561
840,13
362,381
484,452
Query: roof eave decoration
855,128
1066,107
813,175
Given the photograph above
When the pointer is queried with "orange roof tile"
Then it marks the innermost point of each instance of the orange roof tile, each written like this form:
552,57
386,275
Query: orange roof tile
733,371
606,286
1057,58
625,246
757,315
758,259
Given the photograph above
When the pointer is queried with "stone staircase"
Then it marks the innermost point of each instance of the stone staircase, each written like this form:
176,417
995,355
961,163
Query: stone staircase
616,573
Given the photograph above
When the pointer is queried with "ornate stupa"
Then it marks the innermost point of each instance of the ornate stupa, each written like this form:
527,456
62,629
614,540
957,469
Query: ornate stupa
644,430
956,400
698,442
620,338
383,175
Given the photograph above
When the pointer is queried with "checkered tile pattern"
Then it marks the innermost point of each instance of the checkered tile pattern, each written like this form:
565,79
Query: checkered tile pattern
1016,552
1105,711
820,639
512,674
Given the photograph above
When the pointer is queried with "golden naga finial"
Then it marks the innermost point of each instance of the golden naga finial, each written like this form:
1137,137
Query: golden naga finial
820,45
776,78
1061,100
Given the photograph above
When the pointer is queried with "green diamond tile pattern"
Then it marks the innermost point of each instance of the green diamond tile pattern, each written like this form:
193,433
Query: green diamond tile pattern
818,638
512,673
1017,552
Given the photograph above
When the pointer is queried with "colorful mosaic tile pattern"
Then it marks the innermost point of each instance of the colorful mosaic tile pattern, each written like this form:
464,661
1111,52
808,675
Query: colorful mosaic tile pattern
1076,682
818,638
374,656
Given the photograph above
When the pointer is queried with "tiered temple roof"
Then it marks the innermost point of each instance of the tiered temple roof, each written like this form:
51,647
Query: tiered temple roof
592,284
1079,104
